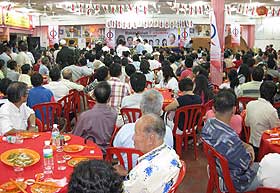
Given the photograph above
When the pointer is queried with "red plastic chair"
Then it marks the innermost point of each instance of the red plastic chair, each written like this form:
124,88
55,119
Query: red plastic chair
39,124
130,115
243,101
50,113
69,108
180,178
116,130
118,151
246,130
149,84
83,80
213,182
90,101
192,118
267,190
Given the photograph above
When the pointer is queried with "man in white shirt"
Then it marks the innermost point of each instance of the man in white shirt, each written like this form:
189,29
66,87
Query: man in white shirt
121,48
147,46
79,71
56,86
151,102
269,171
15,114
158,169
22,58
261,115
138,84
25,76
67,81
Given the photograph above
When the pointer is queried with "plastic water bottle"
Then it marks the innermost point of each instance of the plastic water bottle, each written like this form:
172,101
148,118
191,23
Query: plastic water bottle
55,135
10,139
48,160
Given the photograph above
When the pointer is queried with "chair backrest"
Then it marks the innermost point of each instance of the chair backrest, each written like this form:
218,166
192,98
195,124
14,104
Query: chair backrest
68,106
267,190
118,151
130,115
116,130
50,113
39,124
246,130
180,178
208,106
90,101
83,80
243,101
213,157
192,116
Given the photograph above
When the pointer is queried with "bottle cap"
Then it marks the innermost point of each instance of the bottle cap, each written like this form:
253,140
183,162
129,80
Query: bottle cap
4,138
47,142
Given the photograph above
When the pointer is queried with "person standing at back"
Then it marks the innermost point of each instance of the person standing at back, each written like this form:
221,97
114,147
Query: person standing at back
65,57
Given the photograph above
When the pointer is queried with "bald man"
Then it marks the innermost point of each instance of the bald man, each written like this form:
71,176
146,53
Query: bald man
67,80
158,169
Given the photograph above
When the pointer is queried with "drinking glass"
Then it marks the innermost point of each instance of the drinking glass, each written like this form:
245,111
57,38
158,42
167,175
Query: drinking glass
19,169
61,162
19,139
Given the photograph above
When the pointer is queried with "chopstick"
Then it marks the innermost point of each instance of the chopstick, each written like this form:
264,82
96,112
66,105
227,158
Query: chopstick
14,182
47,184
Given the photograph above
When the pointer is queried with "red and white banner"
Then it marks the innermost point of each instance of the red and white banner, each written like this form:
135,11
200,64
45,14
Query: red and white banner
53,34
235,34
216,67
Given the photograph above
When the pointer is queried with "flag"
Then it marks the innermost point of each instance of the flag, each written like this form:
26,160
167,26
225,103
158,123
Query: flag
235,34
216,67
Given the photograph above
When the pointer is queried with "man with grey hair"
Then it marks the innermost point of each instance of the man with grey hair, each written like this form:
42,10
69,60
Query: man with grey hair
67,80
15,114
151,102
158,169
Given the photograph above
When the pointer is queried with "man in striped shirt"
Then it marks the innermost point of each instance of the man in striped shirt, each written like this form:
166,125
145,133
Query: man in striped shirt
118,88
222,137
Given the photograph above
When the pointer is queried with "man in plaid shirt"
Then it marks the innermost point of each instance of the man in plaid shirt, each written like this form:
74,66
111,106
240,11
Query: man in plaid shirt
118,89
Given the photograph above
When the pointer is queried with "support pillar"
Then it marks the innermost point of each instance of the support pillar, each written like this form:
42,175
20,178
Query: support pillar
251,36
216,68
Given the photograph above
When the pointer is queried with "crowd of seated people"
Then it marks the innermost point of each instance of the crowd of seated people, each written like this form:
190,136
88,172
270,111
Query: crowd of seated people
117,79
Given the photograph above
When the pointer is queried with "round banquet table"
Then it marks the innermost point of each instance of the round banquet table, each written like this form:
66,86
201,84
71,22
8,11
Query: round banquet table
37,145
266,147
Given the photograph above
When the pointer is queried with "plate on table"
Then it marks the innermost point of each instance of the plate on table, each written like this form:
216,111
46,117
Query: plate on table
38,188
27,135
10,187
74,161
73,148
22,157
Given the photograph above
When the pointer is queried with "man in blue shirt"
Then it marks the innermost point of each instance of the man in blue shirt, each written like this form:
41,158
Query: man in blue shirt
38,94
139,47
222,137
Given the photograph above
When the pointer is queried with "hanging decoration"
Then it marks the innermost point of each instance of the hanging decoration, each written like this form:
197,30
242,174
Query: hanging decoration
254,10
148,23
